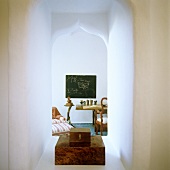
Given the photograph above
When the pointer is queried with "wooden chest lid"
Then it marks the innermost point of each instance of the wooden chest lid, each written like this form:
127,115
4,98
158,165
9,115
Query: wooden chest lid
80,130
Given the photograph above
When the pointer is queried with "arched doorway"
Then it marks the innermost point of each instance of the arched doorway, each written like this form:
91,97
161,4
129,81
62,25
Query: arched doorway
118,38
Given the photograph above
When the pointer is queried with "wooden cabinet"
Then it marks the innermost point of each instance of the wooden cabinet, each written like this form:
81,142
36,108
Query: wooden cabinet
88,155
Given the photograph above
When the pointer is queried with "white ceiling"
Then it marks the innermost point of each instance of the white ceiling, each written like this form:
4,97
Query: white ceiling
79,6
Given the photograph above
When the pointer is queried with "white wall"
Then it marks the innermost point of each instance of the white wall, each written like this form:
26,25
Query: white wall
83,54
18,156
120,81
151,118
4,28
151,111
96,24
159,105
39,98
169,80
29,83
142,95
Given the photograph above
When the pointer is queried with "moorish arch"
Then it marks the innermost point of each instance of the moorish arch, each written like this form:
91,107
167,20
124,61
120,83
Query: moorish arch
78,25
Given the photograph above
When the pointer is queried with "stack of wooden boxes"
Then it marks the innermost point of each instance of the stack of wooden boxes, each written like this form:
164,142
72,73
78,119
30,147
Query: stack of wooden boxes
80,148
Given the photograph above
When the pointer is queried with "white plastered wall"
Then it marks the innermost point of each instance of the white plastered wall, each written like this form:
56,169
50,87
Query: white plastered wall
120,81
18,156
142,96
39,80
69,25
169,79
79,28
145,99
92,23
4,28
151,111
159,105
79,53
26,66
29,83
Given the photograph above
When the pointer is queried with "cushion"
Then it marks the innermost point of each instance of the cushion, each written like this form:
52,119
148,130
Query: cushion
60,120
60,128
55,112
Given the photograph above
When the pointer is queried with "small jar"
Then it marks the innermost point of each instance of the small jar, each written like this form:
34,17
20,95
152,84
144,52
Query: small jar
95,102
91,102
87,102
81,102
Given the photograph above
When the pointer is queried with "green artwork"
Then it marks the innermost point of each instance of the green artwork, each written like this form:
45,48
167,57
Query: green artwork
81,86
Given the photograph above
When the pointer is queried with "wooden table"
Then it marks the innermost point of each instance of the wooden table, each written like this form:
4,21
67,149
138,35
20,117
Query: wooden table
90,107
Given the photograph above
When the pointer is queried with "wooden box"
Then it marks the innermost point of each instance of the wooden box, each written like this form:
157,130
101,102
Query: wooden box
79,137
93,155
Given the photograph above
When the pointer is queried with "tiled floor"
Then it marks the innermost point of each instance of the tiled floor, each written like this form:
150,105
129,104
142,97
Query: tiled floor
88,125
47,160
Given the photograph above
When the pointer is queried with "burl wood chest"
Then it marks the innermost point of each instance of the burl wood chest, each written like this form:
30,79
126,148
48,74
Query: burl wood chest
92,155
79,137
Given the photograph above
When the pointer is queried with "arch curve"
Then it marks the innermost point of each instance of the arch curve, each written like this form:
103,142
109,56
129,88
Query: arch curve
79,25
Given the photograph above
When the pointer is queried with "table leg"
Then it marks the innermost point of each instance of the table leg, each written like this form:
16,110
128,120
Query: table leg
93,116
68,115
